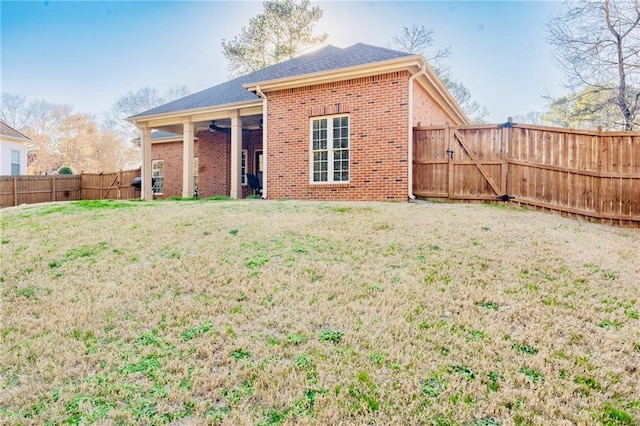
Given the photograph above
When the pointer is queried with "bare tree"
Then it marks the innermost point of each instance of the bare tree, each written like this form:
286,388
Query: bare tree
532,117
61,137
598,47
15,110
85,147
417,39
461,93
42,129
134,103
283,30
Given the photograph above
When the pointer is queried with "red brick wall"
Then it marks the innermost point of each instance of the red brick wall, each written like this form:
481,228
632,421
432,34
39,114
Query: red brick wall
378,113
214,162
425,110
171,153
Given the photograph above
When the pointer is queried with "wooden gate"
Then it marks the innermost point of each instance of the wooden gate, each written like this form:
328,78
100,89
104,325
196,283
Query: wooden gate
578,173
104,186
456,163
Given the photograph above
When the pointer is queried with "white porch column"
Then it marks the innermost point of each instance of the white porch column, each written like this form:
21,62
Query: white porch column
265,155
187,159
236,155
147,189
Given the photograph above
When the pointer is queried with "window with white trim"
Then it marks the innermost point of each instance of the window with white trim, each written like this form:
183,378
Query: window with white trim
15,163
243,167
157,174
330,149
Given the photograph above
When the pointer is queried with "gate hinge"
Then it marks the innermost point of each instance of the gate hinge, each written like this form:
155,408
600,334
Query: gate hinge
505,197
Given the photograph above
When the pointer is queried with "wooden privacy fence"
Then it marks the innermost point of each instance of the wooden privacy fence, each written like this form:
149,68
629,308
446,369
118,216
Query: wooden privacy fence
16,190
587,174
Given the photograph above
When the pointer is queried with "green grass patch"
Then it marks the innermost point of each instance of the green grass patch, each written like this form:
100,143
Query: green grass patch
238,354
105,204
463,371
334,336
197,331
524,349
612,416
532,374
433,385
487,305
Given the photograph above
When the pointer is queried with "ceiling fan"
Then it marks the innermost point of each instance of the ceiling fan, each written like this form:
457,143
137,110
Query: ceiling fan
213,128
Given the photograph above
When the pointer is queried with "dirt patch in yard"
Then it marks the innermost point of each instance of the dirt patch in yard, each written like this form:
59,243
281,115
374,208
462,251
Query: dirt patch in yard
285,312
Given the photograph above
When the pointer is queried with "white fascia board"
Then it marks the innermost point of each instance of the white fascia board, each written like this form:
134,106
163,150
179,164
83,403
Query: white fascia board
434,86
177,117
15,139
397,64
413,64
170,139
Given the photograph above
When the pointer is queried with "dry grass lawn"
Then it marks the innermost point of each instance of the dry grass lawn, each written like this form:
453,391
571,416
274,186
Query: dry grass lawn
285,312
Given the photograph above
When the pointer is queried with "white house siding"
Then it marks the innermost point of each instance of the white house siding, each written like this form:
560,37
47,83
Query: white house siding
6,147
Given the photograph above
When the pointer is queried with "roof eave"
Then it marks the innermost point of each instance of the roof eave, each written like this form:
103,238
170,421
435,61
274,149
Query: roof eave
411,63
433,80
16,139
187,112
335,75
178,138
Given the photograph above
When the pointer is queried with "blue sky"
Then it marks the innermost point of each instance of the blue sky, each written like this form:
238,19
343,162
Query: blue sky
87,53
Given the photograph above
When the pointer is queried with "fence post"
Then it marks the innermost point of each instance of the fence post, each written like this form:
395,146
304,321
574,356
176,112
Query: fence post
119,192
598,186
53,189
15,190
447,136
504,153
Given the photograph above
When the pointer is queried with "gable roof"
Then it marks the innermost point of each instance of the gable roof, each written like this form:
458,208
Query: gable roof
325,59
6,130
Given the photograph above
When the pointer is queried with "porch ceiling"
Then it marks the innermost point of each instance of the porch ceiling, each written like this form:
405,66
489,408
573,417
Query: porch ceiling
251,122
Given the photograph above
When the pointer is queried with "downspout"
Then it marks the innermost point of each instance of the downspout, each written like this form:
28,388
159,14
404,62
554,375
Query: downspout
260,93
422,71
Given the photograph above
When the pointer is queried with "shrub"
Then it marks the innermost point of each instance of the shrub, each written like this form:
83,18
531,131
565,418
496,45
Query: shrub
65,170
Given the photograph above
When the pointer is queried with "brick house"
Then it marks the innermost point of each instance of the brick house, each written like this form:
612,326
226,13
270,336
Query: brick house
334,124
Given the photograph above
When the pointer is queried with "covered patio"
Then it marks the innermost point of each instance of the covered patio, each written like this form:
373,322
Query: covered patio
234,128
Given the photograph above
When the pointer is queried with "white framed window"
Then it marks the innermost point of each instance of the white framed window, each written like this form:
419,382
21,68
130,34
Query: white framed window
15,163
243,167
157,174
330,149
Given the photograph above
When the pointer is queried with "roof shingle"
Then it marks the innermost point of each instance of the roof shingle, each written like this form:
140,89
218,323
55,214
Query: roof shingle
325,59
7,130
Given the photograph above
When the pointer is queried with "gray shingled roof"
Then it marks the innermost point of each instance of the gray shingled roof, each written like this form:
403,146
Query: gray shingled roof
161,134
7,130
326,59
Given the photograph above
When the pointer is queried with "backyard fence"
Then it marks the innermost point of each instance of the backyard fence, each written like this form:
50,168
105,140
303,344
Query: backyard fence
592,175
16,190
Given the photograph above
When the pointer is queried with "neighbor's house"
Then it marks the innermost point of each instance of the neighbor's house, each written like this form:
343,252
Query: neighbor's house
13,151
332,124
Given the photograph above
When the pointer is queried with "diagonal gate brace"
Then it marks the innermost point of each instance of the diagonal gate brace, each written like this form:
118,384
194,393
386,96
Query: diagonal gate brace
482,170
